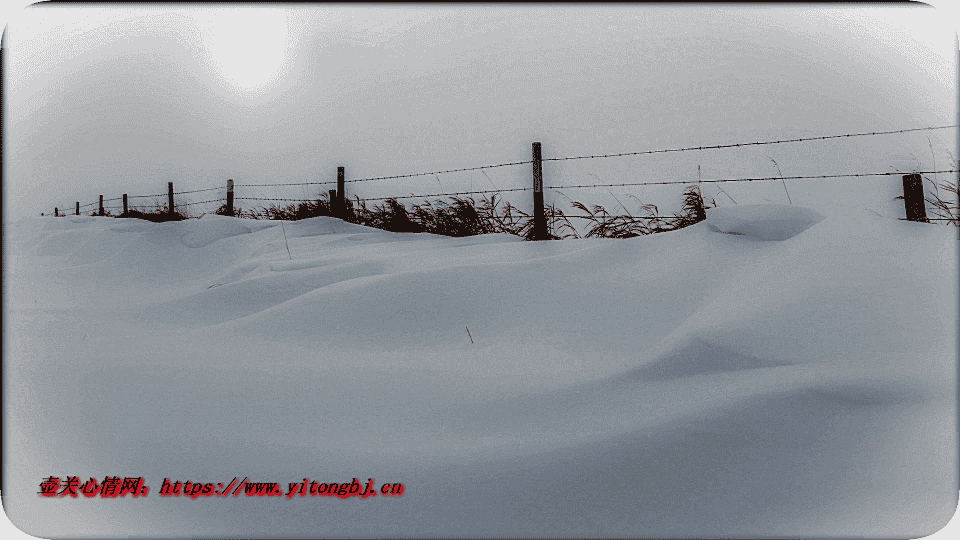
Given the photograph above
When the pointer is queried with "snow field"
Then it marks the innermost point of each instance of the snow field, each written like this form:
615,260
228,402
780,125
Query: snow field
690,383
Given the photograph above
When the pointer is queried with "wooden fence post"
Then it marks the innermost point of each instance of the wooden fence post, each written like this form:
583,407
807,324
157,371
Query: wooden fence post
334,210
229,197
340,193
913,198
56,212
78,208
539,219
170,196
124,204
101,205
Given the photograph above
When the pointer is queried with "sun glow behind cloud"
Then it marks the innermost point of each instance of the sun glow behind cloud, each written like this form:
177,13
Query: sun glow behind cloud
248,48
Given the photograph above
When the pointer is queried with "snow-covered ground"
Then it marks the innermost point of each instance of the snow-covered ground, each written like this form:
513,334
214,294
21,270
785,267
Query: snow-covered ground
773,372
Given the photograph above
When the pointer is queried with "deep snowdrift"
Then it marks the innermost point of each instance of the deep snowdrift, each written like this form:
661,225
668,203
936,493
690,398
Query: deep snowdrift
763,221
796,379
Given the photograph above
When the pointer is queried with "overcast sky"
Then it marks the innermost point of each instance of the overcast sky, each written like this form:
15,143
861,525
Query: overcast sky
112,100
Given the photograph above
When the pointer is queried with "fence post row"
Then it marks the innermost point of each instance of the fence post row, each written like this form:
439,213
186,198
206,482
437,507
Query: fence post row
539,219
913,198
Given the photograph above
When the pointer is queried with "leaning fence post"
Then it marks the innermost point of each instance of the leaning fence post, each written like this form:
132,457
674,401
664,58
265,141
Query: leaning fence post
78,208
101,205
539,219
913,198
340,194
170,196
124,204
229,197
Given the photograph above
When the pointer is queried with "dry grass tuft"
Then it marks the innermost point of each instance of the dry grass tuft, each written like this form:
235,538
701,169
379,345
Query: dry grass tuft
291,212
606,225
156,213
465,216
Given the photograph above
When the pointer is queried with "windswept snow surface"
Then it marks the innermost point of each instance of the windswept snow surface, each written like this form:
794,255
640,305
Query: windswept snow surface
763,221
685,384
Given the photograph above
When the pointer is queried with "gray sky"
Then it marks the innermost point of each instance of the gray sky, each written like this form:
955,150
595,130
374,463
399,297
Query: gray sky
104,100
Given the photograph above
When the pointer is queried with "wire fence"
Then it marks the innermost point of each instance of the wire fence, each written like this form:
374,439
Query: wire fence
223,199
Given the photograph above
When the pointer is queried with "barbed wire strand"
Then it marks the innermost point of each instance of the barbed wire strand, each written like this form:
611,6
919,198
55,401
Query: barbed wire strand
198,190
747,144
741,179
444,194
89,204
293,184
271,199
203,202
439,172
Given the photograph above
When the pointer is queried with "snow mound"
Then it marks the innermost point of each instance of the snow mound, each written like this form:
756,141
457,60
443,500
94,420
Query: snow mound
763,221
691,357
211,228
